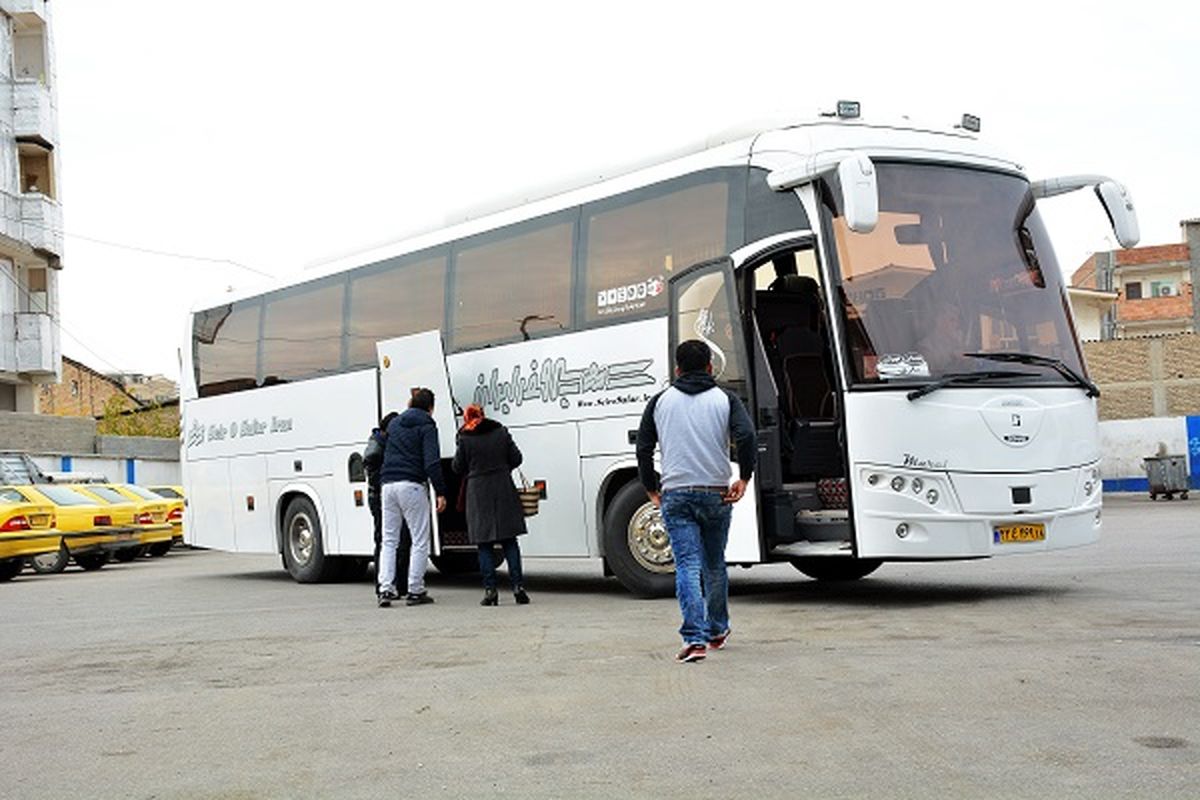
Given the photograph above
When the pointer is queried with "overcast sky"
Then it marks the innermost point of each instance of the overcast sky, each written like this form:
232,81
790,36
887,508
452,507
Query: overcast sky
283,132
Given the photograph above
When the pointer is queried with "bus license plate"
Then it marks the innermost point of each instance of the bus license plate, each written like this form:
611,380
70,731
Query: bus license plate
1016,534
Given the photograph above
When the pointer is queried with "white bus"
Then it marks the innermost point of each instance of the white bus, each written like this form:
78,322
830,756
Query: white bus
884,297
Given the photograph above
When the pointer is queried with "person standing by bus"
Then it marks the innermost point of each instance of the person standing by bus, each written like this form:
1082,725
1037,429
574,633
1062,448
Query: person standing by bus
411,461
485,457
693,422
373,464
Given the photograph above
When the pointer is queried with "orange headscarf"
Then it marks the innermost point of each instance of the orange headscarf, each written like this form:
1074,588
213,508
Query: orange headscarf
472,416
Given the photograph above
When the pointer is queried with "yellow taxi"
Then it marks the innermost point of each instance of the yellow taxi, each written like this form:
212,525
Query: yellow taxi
26,529
127,508
174,497
87,531
174,494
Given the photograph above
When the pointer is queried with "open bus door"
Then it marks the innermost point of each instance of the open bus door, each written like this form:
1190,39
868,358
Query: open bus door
409,362
703,304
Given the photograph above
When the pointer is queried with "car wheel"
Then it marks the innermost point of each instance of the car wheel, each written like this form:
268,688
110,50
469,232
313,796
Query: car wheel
91,561
636,545
51,563
11,568
126,554
303,549
159,548
835,568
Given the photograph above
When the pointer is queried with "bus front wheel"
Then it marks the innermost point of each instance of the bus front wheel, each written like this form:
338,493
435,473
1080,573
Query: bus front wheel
836,569
303,551
636,545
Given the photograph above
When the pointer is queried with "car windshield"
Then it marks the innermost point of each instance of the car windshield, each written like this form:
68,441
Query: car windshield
108,495
145,494
958,263
63,496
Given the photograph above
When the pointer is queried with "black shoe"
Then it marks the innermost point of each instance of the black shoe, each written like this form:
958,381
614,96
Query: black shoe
520,596
417,599
490,598
386,597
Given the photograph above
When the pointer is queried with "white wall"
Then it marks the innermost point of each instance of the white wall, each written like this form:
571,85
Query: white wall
1125,442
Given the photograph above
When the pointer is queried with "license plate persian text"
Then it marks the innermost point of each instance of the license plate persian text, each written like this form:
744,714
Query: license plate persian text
1015,534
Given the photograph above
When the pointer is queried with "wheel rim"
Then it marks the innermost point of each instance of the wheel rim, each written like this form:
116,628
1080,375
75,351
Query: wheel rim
648,541
46,561
300,539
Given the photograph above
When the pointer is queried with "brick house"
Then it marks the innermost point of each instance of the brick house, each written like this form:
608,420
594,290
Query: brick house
83,392
1152,288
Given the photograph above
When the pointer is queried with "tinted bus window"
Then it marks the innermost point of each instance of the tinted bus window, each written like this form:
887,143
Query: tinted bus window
515,286
302,332
769,212
636,241
225,348
395,298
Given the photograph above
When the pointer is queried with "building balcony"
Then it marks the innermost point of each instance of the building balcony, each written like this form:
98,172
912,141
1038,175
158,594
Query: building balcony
35,118
24,8
37,346
41,223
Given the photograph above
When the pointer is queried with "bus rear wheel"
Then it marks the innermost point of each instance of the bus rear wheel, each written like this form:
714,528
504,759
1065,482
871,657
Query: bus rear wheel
636,545
836,569
303,550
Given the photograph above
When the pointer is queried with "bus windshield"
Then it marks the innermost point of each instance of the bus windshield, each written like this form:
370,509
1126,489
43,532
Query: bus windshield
959,263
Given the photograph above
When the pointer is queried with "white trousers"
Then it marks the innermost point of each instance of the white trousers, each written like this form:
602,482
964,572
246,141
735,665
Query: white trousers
405,501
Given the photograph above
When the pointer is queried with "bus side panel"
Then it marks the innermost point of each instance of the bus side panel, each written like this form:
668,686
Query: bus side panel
355,528
209,510
253,522
551,454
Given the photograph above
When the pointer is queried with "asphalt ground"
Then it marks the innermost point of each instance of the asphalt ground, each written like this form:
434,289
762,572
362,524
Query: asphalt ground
212,675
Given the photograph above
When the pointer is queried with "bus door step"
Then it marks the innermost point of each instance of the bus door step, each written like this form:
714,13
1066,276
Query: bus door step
821,525
805,549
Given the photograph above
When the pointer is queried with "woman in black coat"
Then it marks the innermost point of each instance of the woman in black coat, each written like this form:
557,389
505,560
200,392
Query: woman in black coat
486,456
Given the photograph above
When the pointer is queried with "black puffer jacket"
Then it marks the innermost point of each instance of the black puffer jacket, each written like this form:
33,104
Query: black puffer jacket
412,452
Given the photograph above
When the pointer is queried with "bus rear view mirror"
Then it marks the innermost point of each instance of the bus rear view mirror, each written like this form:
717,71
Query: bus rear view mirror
860,193
1116,199
856,176
1118,204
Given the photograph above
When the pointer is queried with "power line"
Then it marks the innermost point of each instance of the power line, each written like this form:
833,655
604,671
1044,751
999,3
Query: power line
139,249
54,318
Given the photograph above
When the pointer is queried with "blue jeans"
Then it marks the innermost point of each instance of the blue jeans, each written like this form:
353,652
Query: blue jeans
698,525
487,564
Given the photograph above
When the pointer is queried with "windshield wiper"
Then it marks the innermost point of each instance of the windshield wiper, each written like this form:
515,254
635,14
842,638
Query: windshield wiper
1045,361
966,377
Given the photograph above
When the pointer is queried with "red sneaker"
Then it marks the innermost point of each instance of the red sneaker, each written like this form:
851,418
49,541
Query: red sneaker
718,641
691,652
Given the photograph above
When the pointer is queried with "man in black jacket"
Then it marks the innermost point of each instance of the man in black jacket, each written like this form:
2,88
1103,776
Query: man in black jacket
411,461
373,464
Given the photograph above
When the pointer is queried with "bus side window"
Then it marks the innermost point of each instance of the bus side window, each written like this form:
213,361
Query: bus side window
358,473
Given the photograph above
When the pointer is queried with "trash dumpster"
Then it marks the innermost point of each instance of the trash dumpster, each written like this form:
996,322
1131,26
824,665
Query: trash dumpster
1167,475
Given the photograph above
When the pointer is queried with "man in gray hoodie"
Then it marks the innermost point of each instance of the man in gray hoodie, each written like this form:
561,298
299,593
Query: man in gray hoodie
693,421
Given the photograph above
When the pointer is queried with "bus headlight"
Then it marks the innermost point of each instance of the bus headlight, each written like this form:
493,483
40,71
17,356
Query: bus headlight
917,485
873,479
898,483
902,530
932,496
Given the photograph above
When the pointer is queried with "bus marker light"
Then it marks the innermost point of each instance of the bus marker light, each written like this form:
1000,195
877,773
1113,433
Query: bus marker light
872,479
917,485
897,483
1087,488
849,109
902,530
932,496
249,502
358,497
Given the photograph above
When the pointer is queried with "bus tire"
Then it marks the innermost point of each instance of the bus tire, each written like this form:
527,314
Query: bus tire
51,563
636,546
91,561
836,569
303,548
11,568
